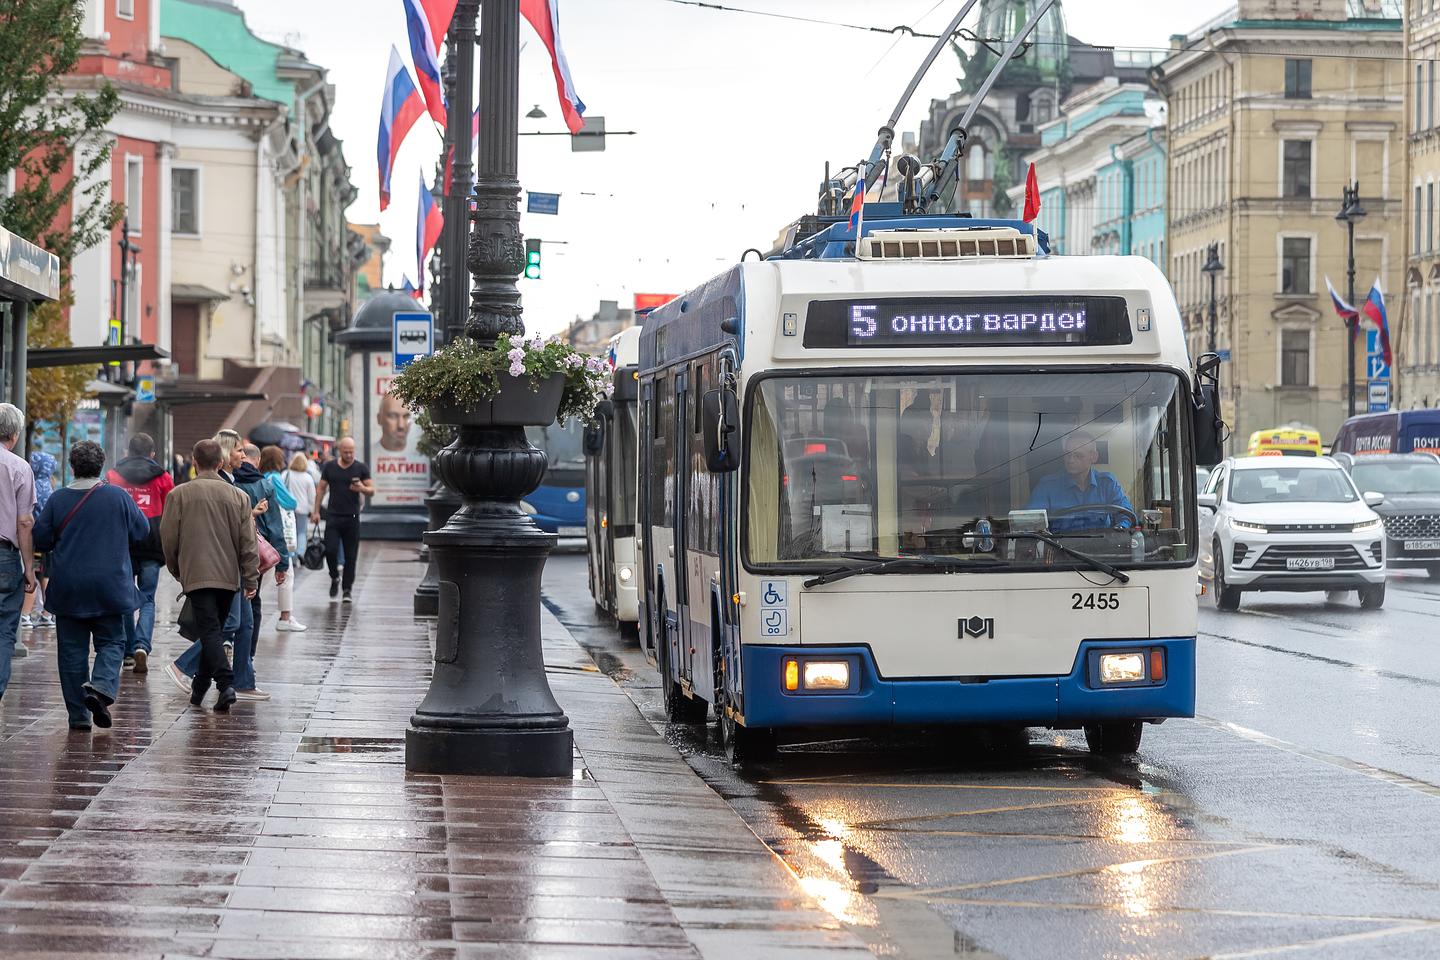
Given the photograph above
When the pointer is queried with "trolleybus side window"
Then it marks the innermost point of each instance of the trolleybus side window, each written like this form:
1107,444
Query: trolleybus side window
928,463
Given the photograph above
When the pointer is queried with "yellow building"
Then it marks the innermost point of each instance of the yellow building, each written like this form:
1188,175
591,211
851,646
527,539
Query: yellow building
1273,110
1417,334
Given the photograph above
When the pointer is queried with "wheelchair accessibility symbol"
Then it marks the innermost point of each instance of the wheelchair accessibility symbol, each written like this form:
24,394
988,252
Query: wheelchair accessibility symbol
774,593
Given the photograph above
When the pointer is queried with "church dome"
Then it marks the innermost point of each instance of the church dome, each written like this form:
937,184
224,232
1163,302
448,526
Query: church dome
1003,20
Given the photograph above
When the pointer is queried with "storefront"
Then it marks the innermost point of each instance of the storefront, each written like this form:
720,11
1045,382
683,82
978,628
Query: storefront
29,276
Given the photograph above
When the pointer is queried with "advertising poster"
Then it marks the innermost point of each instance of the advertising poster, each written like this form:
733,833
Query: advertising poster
401,473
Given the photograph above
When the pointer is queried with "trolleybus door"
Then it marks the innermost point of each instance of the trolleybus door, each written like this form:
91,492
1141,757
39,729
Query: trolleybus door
651,619
677,579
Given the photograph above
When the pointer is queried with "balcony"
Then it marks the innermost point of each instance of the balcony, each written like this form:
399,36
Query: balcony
325,275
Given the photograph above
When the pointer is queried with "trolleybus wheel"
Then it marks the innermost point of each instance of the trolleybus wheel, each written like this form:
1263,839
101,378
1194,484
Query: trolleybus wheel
1116,738
1226,597
747,744
1372,597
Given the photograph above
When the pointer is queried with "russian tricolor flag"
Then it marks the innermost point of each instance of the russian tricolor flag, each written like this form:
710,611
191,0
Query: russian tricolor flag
857,204
399,109
429,225
1373,309
427,22
544,16
411,289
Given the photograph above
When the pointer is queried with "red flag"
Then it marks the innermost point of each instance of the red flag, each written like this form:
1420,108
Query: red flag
1032,196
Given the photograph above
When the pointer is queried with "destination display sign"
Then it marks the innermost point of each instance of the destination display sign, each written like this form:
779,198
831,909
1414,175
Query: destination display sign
968,322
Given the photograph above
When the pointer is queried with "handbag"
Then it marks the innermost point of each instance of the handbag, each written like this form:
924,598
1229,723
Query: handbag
269,556
314,557
287,524
187,621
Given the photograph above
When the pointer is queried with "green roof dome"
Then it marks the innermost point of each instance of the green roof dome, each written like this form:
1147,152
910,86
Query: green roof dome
1001,21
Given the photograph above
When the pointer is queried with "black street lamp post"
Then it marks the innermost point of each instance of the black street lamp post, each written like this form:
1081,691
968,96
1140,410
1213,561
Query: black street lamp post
1212,269
1351,212
489,708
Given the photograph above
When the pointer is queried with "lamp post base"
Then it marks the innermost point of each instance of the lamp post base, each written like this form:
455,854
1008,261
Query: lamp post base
495,753
441,505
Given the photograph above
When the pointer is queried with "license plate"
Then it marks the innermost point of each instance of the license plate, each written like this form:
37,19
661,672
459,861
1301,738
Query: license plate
1310,563
1422,544
571,531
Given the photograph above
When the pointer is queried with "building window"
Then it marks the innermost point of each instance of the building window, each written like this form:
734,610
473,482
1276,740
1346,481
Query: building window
1297,79
1295,265
1430,216
1419,96
1295,358
185,200
125,9
1296,168
1417,236
134,179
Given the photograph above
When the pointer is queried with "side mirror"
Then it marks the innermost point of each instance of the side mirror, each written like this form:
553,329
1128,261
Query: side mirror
594,439
720,414
1373,499
1209,500
1206,426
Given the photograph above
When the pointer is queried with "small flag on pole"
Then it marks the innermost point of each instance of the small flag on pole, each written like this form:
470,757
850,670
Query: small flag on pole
1344,310
1032,196
428,227
857,204
1374,310
411,289
400,107
427,21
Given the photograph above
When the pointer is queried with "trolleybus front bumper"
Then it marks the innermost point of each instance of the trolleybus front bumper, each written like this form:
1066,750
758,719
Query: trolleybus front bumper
1071,700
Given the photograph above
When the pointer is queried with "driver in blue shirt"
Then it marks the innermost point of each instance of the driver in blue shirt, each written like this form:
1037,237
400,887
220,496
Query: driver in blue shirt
1079,484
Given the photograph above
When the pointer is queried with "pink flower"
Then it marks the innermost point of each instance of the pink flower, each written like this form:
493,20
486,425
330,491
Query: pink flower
574,360
517,368
608,388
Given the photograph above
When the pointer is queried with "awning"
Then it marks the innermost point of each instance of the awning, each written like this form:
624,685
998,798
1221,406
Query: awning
107,392
177,393
195,293
92,356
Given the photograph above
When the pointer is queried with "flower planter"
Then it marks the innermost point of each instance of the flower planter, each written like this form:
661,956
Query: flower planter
519,403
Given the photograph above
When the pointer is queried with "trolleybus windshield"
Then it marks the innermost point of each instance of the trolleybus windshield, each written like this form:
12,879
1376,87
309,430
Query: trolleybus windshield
855,467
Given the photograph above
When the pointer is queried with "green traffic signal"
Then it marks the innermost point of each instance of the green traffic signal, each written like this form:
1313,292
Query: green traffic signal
532,259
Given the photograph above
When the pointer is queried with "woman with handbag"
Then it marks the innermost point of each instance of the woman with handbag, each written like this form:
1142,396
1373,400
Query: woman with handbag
302,487
88,528
273,467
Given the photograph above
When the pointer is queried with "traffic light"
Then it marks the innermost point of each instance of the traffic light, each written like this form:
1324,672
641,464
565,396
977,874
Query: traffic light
532,259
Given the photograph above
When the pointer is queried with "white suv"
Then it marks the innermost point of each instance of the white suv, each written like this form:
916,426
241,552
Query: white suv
1293,524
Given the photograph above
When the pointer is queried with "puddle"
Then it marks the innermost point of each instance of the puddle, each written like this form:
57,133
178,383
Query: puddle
350,745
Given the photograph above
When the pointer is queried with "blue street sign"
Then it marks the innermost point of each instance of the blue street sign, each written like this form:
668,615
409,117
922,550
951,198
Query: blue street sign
413,335
1379,369
1372,342
1224,355
144,389
542,203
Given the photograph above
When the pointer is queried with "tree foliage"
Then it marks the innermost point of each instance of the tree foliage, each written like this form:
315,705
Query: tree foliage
53,393
46,124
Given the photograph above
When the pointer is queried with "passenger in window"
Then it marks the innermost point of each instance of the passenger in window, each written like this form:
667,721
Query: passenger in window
1079,484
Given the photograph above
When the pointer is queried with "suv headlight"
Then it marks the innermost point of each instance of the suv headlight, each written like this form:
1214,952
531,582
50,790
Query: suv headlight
1367,525
1243,525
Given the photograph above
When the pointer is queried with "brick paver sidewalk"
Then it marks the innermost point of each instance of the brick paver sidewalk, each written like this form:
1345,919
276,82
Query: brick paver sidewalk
291,829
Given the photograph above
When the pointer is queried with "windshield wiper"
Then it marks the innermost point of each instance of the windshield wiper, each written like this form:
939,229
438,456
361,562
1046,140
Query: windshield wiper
889,564
1085,558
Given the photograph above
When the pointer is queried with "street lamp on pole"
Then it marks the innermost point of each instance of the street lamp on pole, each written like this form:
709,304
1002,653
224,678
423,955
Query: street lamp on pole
1351,212
1212,269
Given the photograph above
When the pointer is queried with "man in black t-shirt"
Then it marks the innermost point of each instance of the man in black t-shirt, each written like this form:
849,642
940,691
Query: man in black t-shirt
345,479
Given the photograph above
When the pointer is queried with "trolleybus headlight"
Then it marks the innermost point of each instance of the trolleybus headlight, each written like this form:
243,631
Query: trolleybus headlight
1122,667
827,675
626,574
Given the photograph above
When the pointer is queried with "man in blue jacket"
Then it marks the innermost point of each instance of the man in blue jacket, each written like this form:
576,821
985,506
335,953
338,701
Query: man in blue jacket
88,528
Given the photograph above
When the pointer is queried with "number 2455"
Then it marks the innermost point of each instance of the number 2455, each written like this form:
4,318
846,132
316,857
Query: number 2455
1094,601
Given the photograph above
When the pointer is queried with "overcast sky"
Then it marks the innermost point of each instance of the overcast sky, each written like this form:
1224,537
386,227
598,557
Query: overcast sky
735,116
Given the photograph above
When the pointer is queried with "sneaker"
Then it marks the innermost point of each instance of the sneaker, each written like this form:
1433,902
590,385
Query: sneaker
230,655
142,661
178,677
292,625
44,621
27,622
346,598
334,587
252,695
227,697
129,661
20,652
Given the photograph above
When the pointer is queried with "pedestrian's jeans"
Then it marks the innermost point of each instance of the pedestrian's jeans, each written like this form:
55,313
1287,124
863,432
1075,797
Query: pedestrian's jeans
73,636
342,531
302,525
237,630
210,608
138,634
12,598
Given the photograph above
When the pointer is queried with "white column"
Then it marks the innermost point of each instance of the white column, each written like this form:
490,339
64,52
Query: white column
92,19
90,283
154,24
162,331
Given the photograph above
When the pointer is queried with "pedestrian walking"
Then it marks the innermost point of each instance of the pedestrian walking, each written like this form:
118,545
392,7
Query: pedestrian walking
208,535
302,487
17,549
148,484
282,506
249,479
346,480
42,466
87,529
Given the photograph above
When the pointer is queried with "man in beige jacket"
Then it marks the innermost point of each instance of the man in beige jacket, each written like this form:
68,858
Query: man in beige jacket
209,540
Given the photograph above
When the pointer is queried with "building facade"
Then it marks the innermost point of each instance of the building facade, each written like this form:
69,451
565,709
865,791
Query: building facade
1101,168
1273,110
1417,334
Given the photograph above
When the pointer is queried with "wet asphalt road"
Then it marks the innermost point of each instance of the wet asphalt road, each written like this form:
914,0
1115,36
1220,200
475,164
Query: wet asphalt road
1298,815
